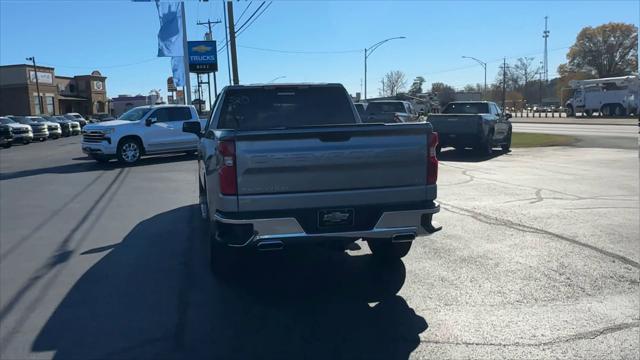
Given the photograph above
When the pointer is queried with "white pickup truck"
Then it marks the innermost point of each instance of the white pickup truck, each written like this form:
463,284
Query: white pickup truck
143,130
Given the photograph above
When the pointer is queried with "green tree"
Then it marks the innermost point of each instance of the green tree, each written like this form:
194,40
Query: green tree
444,92
416,87
605,51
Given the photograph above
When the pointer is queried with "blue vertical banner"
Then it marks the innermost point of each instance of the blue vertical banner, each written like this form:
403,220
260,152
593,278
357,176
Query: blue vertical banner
177,67
170,35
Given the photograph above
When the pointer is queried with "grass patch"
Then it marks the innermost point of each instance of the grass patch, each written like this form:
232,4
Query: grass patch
535,140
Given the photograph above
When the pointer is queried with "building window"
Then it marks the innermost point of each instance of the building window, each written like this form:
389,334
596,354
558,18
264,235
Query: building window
72,88
50,106
100,107
36,104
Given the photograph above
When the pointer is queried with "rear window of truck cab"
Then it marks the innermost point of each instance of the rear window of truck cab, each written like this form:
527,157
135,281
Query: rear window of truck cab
282,108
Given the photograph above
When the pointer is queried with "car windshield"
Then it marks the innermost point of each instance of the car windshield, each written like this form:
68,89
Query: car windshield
282,107
6,121
385,107
466,108
134,114
37,119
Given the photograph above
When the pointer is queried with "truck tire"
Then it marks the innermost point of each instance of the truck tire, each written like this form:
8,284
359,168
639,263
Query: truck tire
129,151
589,113
486,146
605,110
619,110
385,250
506,146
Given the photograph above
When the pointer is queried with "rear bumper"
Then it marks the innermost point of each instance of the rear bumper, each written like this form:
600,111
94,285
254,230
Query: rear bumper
448,139
406,223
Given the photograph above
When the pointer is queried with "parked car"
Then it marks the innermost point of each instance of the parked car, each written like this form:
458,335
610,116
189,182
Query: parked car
477,124
272,176
55,130
6,136
141,131
75,125
390,111
21,133
76,117
39,130
103,117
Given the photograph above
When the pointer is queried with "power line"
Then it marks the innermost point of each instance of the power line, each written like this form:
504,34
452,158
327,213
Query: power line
103,66
243,11
300,51
250,17
245,27
257,17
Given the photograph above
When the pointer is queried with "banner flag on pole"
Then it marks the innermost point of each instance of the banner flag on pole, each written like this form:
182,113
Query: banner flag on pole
170,36
177,67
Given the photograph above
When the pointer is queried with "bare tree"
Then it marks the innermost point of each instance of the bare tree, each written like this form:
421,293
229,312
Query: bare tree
525,70
392,83
444,92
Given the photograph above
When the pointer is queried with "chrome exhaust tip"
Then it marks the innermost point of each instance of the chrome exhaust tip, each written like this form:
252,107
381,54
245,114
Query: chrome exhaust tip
405,237
269,245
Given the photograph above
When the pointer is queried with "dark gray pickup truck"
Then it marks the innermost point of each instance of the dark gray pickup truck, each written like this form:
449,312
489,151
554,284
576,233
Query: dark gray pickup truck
281,165
476,124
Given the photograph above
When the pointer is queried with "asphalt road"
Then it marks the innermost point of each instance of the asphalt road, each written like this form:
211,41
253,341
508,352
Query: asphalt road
539,258
607,136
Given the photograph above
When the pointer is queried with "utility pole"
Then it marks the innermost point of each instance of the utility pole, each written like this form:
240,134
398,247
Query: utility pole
232,44
35,74
209,36
545,35
504,83
226,36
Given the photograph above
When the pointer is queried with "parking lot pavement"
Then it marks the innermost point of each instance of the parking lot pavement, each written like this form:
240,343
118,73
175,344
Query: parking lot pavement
539,257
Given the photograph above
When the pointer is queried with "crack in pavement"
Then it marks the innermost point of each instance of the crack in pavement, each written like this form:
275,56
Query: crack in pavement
530,229
538,191
587,335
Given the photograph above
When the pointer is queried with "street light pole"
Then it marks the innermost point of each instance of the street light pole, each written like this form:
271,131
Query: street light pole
368,52
35,74
484,65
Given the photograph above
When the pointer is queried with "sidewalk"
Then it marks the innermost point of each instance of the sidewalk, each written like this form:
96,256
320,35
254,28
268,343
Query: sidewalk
573,121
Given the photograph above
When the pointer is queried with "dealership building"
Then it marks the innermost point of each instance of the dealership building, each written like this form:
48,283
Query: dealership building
84,94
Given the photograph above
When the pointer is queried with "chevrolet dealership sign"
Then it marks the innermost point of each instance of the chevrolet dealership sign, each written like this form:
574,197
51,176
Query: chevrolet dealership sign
203,56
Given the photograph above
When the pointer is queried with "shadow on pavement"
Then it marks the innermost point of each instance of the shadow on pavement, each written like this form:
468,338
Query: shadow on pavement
88,165
467,155
152,296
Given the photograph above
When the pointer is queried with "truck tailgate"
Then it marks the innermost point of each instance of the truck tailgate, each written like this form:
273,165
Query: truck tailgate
454,123
336,158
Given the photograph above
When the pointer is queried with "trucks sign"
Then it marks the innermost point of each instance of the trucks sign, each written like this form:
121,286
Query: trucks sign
203,56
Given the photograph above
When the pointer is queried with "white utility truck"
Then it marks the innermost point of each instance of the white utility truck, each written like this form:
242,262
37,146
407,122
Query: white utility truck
615,96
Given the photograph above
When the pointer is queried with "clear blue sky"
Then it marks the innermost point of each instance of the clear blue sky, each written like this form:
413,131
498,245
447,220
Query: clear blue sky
119,38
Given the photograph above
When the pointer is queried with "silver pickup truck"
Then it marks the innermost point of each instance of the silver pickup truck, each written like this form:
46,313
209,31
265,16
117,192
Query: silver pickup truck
281,165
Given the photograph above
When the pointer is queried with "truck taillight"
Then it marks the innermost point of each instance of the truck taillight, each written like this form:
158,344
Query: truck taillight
432,159
227,170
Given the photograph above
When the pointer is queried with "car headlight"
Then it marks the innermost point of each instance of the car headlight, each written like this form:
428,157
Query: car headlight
108,131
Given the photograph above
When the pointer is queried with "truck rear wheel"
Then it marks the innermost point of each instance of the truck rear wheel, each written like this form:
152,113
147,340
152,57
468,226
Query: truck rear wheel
386,250
506,146
620,110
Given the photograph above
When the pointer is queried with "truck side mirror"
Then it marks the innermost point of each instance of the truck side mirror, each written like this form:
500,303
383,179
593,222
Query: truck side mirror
507,116
192,127
150,121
